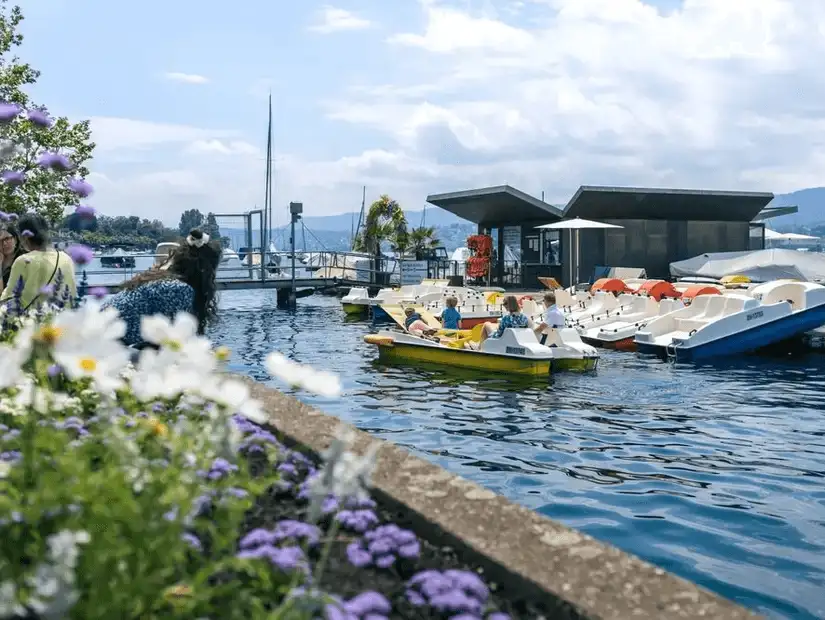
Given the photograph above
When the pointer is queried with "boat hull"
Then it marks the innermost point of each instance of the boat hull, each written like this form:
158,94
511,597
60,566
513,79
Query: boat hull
473,360
469,323
747,341
355,309
625,344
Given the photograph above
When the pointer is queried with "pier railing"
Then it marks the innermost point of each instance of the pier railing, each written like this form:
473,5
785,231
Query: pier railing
267,269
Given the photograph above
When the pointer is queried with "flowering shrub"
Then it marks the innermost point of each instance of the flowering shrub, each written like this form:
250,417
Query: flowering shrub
127,489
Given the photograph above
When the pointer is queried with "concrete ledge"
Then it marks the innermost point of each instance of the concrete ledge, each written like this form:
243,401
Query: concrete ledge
527,554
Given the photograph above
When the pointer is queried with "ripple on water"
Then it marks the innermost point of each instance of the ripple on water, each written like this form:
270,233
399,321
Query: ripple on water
716,473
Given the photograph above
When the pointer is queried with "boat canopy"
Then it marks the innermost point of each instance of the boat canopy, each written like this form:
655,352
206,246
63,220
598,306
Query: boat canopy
758,266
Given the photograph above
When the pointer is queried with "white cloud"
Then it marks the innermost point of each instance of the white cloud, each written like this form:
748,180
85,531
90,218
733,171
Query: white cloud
186,78
123,134
330,19
609,91
222,147
727,95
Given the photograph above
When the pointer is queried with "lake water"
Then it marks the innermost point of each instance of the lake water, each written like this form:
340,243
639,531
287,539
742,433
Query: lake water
714,473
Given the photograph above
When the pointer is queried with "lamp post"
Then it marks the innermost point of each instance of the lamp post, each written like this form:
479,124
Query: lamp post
295,211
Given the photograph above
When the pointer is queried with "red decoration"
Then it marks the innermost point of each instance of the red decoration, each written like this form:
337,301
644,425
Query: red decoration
478,265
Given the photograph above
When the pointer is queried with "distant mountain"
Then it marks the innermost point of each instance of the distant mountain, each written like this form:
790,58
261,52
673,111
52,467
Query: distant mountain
811,203
347,221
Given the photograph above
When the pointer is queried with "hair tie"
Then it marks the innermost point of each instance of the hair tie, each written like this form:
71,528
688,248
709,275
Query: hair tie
197,243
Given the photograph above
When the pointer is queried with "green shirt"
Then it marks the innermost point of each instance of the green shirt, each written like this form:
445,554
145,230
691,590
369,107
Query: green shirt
37,269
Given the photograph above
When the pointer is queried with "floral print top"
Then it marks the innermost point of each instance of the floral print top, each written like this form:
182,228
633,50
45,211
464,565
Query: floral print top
514,321
166,297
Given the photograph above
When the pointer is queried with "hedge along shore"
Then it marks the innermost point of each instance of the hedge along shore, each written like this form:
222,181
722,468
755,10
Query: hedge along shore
522,551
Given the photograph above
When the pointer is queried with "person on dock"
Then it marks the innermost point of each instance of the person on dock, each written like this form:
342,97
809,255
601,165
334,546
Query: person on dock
10,249
188,284
514,319
39,267
450,316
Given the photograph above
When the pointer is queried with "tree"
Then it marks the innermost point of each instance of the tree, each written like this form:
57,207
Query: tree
422,241
210,226
45,191
385,222
190,219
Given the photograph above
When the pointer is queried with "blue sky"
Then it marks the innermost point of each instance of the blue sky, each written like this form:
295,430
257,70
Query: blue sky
414,97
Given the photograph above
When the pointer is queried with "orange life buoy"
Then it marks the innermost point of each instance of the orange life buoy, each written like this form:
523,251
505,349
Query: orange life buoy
522,298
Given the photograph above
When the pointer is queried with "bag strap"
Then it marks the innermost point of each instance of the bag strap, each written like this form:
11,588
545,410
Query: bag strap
54,273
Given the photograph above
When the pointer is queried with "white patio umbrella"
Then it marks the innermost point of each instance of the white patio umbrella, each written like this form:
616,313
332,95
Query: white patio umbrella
577,224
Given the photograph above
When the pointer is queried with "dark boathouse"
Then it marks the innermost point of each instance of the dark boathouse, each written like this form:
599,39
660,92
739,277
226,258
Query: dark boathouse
658,227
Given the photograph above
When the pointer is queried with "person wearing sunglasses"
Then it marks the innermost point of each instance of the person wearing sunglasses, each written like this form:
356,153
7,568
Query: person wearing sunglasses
10,249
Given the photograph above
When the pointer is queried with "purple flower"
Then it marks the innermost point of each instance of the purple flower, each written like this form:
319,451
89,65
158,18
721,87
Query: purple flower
80,254
13,178
9,111
54,370
383,546
286,530
39,118
451,591
84,211
98,292
54,161
221,468
192,541
26,233
4,217
365,606
286,559
81,187
257,538
357,520
47,289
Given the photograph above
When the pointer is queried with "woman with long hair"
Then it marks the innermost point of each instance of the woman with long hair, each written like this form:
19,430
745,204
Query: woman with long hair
40,267
186,283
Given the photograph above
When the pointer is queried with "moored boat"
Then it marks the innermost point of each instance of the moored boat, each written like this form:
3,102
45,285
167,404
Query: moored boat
722,325
517,351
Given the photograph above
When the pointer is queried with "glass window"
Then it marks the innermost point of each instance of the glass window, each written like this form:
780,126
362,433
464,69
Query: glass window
550,247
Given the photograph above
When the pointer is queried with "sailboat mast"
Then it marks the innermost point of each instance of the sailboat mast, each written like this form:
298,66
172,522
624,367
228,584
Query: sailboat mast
268,196
361,214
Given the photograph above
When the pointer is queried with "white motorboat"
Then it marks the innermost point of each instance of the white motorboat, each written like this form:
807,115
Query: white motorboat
714,326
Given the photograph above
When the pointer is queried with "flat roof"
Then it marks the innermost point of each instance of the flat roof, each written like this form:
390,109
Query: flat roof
504,204
598,203
495,205
771,212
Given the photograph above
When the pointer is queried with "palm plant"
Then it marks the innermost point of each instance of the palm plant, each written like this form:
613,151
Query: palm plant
422,240
385,222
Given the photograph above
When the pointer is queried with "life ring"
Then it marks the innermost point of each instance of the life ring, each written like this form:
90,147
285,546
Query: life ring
522,298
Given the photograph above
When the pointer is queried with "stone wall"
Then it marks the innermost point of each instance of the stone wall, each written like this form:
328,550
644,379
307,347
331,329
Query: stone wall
521,550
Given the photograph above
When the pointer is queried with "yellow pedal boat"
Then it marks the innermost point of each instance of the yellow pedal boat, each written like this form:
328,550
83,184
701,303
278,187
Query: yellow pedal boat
516,352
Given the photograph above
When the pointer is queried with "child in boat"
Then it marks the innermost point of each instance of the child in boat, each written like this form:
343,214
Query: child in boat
450,317
416,326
